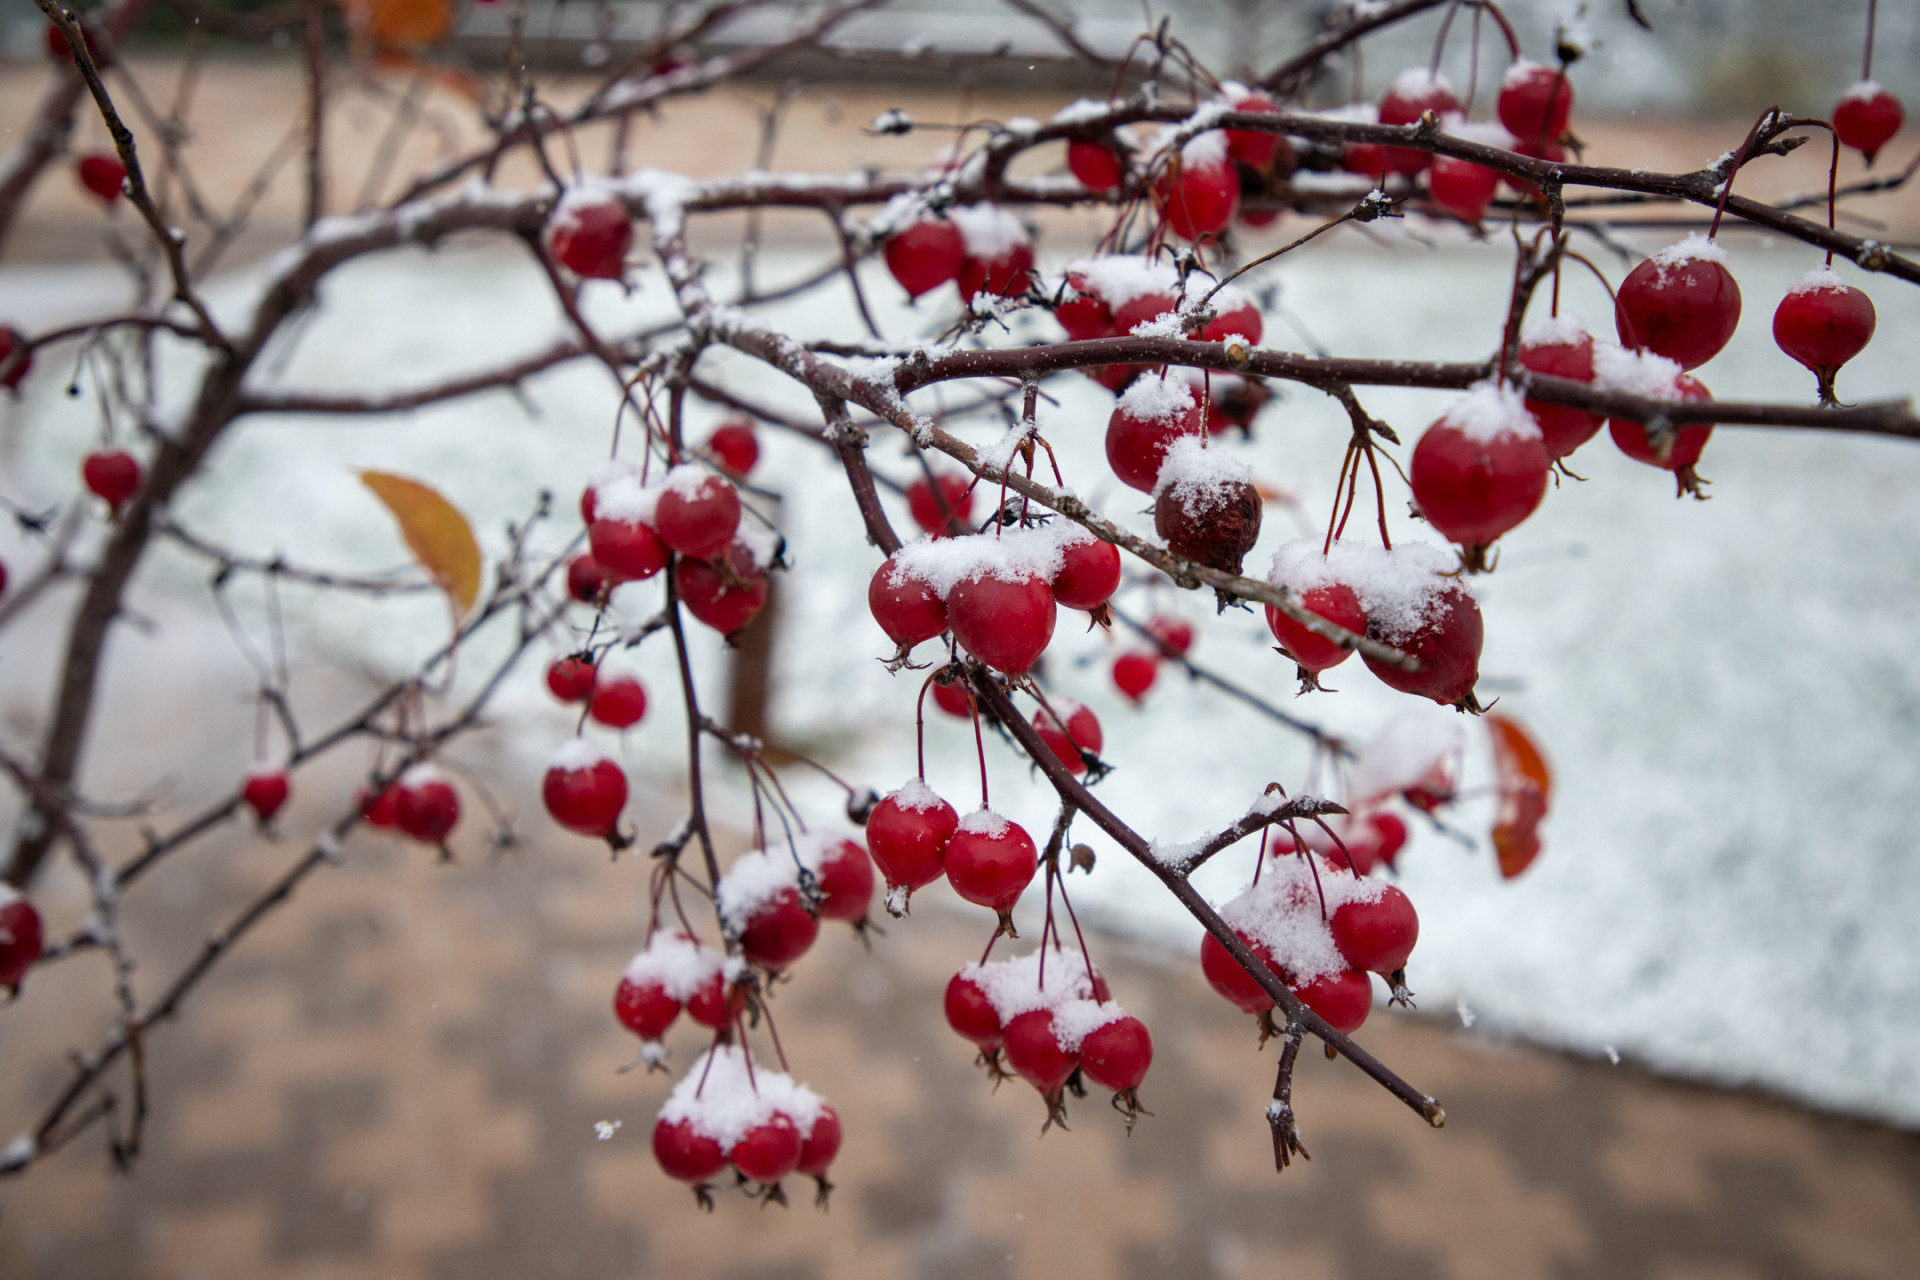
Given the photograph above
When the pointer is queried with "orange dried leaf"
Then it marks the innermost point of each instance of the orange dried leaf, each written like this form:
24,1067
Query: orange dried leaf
437,534
1526,786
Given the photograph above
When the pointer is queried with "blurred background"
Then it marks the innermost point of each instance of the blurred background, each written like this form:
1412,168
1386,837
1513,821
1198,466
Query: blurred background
1683,1045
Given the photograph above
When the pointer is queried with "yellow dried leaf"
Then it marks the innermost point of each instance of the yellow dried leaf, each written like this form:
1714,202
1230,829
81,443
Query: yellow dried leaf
437,534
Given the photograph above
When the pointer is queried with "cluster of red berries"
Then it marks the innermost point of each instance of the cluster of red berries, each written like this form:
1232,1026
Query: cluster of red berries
915,837
421,803
729,1111
982,249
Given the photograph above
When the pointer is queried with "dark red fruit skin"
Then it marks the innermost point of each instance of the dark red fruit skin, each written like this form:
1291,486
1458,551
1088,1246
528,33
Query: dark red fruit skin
1391,832
1090,572
1824,328
585,579
1083,313
1081,733
701,524
10,338
1117,1055
1868,124
909,845
644,1008
1562,429
112,475
1004,624
1447,647
382,810
21,941
952,699
769,1151
1137,447
1462,188
626,551
1198,200
956,492
735,447
587,801
822,1144
1175,633
845,877
1140,310
1369,159
619,702
1224,974
593,240
709,1005
428,810
1134,674
1007,275
570,678
971,1014
1396,109
1473,491
1033,1051
1537,105
1687,315
907,610
1248,146
991,871
685,1155
1337,604
265,793
779,932
1343,999
925,255
1218,536
1244,320
1377,936
1685,447
1098,165
726,601
103,175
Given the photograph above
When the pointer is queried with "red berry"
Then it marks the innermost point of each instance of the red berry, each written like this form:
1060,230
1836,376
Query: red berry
1089,573
1370,841
1225,975
1446,644
970,1013
1683,448
1004,624
953,700
584,789
925,254
1389,835
1867,117
1080,733
1376,936
1098,165
1143,308
735,447
1032,1048
112,475
1153,413
1205,506
619,701
845,877
570,678
1117,1055
11,338
990,860
103,174
769,1151
644,1008
1235,313
626,550
1082,312
1248,146
1681,303
1534,102
1175,633
1200,192
999,256
585,580
1824,323
1134,674
697,512
427,805
21,937
1461,187
778,932
1416,92
1258,218
1007,275
686,1154
381,810
1561,351
265,790
943,513
1343,999
1482,468
590,234
1337,603
821,1145
907,834
709,1006
61,51
726,593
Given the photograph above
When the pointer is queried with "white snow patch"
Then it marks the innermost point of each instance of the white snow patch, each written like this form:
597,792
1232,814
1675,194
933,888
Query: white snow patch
1200,478
916,797
1821,279
723,1097
1491,412
1639,373
990,232
575,755
985,822
1862,91
1014,987
679,965
1421,747
1282,912
1157,398
1563,330
755,879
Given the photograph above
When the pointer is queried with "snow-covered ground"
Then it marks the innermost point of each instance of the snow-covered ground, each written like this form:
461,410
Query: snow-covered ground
1727,688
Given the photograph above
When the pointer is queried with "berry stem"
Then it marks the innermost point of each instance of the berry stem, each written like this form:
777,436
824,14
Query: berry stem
1866,57
979,745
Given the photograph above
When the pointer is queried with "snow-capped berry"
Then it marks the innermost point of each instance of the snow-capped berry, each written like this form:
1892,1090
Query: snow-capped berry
1446,642
905,606
102,174
1098,165
1682,303
1309,650
623,540
584,789
1414,93
1482,468
1116,1055
821,1144
726,593
428,807
644,1007
1235,313
1560,347
1082,312
1032,1048
265,790
942,513
710,1004
1252,147
1205,505
1199,192
844,875
990,860
686,1154
1089,573
735,446
1823,323
769,1151
924,254
1867,117
1144,308
1681,449
1535,101
589,232
1004,623
1461,187
999,256
1134,674
1379,935
21,937
1224,974
696,512
619,701
112,475
1343,999
570,678
970,1013
1155,411
907,835
1080,733
585,579
779,931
